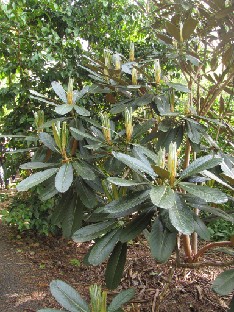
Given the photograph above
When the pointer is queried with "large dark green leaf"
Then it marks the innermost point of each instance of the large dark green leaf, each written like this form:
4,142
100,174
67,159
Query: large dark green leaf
115,265
188,27
87,195
194,130
37,165
48,190
63,109
123,297
78,134
64,178
83,170
134,164
125,206
181,217
68,297
162,196
93,231
35,179
124,182
161,241
136,226
224,283
204,192
142,128
199,165
173,135
103,247
81,110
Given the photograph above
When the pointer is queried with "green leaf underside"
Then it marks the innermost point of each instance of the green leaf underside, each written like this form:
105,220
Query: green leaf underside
63,109
68,297
58,89
64,178
35,179
224,283
93,231
115,265
124,182
199,165
134,164
181,217
161,242
162,196
37,165
103,248
204,192
123,297
48,141
124,206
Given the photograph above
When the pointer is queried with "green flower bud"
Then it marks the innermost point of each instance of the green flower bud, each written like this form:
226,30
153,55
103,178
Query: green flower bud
132,52
172,162
157,71
128,123
134,76
56,132
106,127
161,158
70,91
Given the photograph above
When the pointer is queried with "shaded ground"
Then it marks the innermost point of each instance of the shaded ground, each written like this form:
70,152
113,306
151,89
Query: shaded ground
29,264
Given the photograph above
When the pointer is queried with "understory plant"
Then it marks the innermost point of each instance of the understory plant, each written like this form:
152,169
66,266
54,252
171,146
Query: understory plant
72,301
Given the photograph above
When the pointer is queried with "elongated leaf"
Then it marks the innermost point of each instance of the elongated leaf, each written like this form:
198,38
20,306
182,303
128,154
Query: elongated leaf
68,220
76,133
201,229
224,283
115,265
145,151
181,217
35,179
48,190
64,178
212,176
134,164
81,110
48,141
161,241
136,226
162,196
93,231
83,170
124,182
142,128
50,122
189,27
37,165
58,89
178,87
204,192
63,109
194,131
86,194
59,211
123,297
68,297
173,30
199,165
124,206
103,247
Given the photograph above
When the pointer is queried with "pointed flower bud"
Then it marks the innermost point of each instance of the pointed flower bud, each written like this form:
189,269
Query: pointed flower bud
157,71
117,61
181,33
56,132
70,91
107,61
39,120
134,76
132,52
172,162
106,127
64,136
128,123
172,99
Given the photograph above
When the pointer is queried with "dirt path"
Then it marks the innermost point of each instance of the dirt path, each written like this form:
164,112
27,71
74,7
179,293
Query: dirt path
17,292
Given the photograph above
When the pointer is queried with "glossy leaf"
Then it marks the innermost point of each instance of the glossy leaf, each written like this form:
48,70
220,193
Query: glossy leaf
86,194
76,133
204,192
35,179
123,297
161,241
103,247
181,217
48,141
201,229
37,165
81,110
83,170
64,178
63,109
199,165
136,226
58,89
134,164
224,283
124,182
93,231
115,266
68,297
162,196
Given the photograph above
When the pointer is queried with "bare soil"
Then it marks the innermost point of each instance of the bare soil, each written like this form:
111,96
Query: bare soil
29,263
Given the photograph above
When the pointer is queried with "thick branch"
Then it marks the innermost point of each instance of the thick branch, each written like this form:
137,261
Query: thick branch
209,246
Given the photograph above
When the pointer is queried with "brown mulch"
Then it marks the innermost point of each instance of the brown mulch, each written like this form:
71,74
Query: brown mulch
28,264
